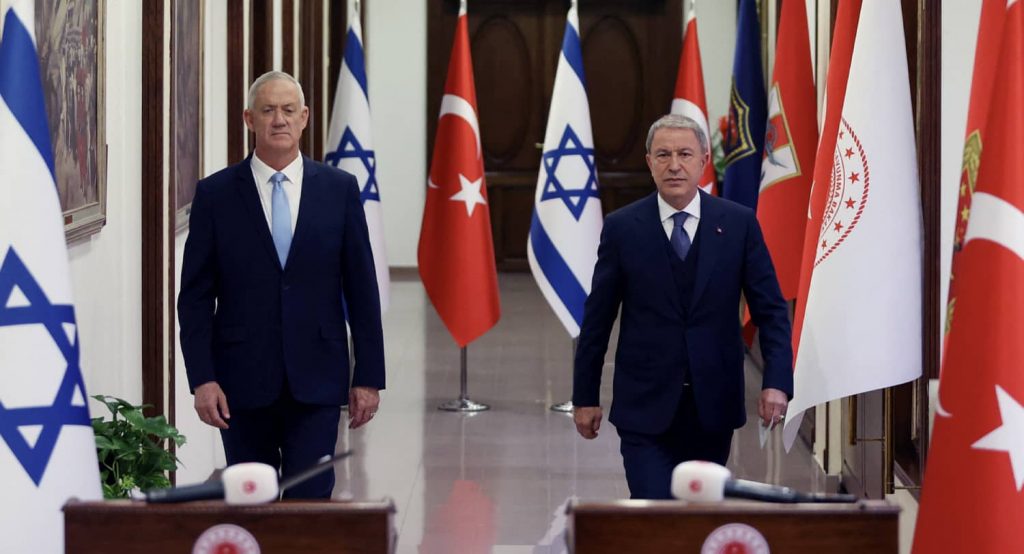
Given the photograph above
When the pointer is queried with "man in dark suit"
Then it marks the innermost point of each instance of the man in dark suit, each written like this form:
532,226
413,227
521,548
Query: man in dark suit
676,262
275,244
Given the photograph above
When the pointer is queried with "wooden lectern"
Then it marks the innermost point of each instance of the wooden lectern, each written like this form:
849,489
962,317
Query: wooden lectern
125,527
680,527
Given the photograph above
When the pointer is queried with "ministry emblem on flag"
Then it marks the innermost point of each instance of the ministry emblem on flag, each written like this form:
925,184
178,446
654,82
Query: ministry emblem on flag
968,182
847,192
738,142
779,150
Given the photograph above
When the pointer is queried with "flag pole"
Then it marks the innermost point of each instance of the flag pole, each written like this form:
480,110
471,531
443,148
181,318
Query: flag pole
463,403
566,407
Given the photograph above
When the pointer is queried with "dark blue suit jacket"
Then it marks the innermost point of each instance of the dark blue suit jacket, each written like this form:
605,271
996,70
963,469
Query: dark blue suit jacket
248,324
633,271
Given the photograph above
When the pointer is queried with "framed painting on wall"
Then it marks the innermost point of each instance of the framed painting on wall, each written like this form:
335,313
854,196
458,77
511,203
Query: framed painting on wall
70,40
186,128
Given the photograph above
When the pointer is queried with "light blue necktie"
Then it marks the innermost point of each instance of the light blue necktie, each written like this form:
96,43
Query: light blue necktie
280,218
680,240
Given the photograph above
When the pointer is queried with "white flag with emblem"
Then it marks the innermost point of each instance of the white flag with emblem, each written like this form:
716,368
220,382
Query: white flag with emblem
567,220
350,141
862,324
47,449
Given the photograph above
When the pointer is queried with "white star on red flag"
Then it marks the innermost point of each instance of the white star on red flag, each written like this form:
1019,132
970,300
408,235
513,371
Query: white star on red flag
1008,437
470,194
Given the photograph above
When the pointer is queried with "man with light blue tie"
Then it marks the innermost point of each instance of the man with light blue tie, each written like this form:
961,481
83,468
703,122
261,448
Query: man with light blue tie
277,251
676,262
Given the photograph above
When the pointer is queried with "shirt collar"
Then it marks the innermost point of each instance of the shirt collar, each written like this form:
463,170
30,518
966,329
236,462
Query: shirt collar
665,211
264,172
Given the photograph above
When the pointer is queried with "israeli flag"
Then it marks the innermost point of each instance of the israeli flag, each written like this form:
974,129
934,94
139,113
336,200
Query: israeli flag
567,220
351,143
47,449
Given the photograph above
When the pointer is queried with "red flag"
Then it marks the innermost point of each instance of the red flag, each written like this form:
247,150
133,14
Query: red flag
972,498
790,139
456,253
689,97
835,91
990,33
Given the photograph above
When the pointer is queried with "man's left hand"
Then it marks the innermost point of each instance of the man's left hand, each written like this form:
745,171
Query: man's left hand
772,407
362,406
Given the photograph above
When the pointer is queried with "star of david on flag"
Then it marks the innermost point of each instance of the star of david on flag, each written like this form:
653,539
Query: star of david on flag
567,220
349,147
570,147
350,134
47,448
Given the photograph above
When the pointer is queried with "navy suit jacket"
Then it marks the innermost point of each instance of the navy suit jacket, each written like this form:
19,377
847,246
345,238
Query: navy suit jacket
249,324
633,271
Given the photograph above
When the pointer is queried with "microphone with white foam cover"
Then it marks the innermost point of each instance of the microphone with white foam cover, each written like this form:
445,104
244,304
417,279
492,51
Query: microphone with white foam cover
249,483
698,481
709,482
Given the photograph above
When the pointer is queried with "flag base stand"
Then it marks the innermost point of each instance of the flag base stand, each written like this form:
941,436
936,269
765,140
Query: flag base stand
463,403
562,407
566,407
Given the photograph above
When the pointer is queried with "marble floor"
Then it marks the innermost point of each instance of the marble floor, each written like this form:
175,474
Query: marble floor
494,481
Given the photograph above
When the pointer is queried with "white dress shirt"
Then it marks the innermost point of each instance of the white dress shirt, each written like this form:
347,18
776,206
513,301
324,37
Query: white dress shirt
261,173
690,225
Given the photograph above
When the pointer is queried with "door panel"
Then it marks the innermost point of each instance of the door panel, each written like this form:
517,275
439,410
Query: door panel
630,57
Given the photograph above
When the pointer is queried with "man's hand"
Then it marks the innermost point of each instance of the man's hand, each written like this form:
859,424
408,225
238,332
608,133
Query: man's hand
362,406
212,405
772,407
587,419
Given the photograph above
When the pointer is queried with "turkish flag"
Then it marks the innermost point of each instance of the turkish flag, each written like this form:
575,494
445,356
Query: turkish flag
790,140
972,498
990,34
689,98
456,253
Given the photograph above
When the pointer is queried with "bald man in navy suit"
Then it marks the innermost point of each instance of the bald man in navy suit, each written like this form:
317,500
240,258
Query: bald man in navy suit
676,263
277,253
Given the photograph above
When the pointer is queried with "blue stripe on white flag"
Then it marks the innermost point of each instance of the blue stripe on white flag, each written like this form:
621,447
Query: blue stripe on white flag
354,59
20,85
572,51
557,271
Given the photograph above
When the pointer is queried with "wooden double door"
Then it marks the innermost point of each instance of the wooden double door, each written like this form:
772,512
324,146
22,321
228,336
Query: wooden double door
630,58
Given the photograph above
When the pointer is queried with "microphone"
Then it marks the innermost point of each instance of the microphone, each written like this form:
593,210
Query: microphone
698,481
245,483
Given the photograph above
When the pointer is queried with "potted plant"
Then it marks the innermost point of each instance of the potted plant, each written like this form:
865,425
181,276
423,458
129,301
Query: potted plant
132,448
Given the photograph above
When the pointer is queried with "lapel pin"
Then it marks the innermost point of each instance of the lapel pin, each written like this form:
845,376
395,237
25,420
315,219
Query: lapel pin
719,230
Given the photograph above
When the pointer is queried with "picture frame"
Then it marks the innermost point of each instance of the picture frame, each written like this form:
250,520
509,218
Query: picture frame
186,105
70,38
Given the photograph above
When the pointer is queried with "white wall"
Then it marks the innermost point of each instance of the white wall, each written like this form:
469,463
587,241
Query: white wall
203,452
716,29
105,269
959,39
396,68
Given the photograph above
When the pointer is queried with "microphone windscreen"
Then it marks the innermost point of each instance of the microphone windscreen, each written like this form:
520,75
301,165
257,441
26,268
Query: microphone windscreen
249,483
699,481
